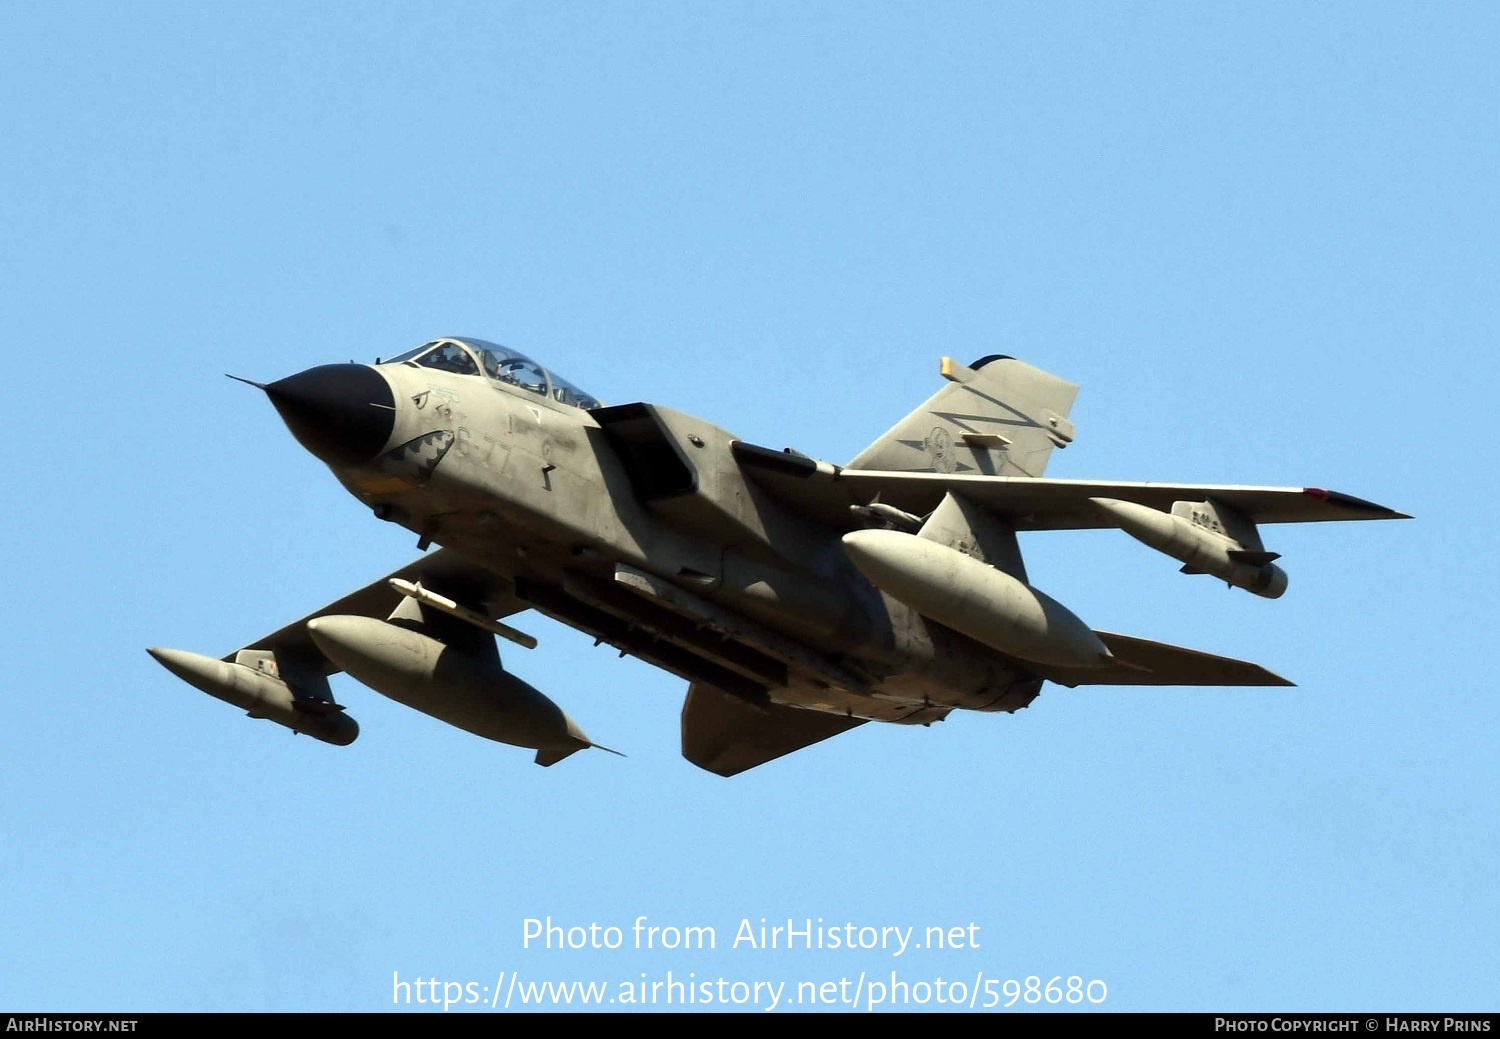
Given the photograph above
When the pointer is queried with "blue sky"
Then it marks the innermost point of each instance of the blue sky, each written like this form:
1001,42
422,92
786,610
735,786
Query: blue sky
1261,237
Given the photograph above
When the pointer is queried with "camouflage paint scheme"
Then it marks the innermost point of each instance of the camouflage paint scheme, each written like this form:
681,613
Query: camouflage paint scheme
796,597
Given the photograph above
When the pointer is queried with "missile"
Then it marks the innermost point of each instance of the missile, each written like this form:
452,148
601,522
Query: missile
463,613
1199,549
261,695
468,690
888,514
971,597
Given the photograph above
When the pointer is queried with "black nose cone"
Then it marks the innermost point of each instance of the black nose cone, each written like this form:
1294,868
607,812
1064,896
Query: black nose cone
343,413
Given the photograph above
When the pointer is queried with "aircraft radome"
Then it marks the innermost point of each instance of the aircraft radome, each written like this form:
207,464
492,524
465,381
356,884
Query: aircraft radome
798,598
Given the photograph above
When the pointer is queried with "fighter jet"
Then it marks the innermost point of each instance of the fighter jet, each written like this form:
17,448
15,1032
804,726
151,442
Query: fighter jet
797,598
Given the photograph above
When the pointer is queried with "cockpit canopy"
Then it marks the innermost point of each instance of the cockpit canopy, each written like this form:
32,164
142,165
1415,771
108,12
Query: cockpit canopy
475,357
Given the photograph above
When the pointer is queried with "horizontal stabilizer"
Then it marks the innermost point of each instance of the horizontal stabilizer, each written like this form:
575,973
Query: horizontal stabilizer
726,736
1143,662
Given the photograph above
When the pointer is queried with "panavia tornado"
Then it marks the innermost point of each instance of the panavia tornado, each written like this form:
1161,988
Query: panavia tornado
797,598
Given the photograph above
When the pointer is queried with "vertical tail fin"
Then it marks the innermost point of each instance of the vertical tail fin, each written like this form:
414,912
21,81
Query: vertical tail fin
997,417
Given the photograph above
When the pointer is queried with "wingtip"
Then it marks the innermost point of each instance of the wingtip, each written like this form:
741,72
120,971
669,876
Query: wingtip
1349,501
